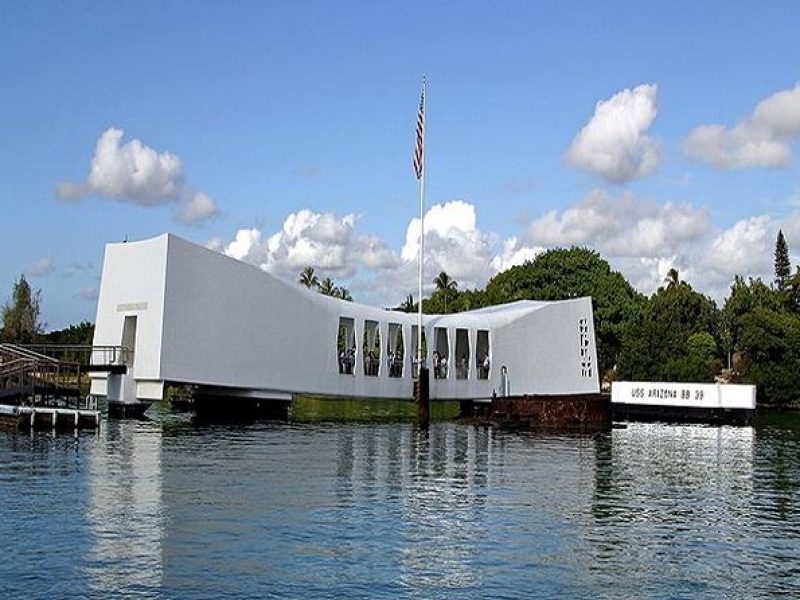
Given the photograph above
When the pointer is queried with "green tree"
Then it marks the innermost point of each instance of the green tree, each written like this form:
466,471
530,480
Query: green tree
792,300
783,268
560,274
744,298
309,278
343,294
408,305
446,288
327,287
673,278
81,334
453,301
21,324
770,342
670,338
469,300
443,281
701,360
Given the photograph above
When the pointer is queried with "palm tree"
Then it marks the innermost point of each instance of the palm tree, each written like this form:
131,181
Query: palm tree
343,293
445,284
672,279
408,304
309,278
327,287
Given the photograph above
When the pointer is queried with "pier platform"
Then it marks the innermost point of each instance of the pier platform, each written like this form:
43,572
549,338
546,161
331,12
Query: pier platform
48,418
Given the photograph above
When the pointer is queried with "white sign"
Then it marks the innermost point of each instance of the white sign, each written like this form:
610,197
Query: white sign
699,395
130,306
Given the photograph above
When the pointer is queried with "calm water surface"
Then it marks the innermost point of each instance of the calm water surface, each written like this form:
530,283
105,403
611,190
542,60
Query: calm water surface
176,510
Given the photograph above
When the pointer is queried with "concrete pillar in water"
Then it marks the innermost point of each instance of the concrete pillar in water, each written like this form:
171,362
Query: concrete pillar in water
423,397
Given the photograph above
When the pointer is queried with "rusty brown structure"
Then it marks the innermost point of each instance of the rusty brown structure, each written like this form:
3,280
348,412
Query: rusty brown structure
567,412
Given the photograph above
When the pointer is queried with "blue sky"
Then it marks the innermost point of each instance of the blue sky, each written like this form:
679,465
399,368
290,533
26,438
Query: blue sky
282,133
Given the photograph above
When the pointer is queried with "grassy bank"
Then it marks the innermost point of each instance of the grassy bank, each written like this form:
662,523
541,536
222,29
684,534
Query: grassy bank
313,409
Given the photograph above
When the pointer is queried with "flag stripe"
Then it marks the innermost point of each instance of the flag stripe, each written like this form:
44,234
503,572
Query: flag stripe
419,152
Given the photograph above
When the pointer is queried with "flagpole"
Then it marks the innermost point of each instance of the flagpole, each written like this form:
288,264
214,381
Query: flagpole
421,234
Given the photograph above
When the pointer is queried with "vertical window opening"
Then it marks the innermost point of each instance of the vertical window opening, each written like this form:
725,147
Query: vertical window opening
372,348
395,350
441,353
414,361
346,346
482,356
462,354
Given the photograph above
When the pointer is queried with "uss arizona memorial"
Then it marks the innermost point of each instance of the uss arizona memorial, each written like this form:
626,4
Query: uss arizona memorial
190,315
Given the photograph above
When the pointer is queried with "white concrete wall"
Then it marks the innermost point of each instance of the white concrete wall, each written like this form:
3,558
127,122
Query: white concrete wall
542,350
212,320
132,284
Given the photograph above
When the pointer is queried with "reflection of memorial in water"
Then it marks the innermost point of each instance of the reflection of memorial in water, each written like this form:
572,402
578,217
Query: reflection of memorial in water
445,507
126,512
433,485
465,503
661,489
651,461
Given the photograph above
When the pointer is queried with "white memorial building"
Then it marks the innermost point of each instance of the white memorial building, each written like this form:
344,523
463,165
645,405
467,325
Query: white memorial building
190,315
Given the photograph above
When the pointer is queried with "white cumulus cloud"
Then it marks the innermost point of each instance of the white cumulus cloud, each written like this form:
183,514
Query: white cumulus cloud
621,226
648,274
514,253
746,247
644,239
135,173
641,238
453,243
614,143
324,241
378,274
763,139
194,207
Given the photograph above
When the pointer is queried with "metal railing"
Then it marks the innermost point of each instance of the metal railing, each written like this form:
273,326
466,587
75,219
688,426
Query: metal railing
83,353
31,377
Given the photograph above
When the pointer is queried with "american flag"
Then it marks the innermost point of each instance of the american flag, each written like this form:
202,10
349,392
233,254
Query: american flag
419,152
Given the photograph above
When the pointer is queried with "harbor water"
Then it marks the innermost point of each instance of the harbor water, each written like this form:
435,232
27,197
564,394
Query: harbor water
175,509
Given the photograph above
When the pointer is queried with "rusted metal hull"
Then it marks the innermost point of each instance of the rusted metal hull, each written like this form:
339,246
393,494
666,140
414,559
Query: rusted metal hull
574,412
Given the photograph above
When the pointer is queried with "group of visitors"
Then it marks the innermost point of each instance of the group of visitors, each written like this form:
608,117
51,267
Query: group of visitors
483,367
395,362
371,363
347,359
462,369
439,366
